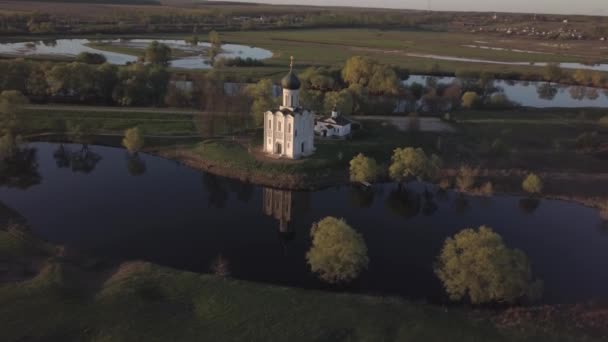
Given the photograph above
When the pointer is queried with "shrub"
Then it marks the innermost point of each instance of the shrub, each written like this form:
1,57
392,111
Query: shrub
532,184
470,99
411,162
90,58
466,178
476,265
587,141
487,189
363,169
133,140
604,121
338,253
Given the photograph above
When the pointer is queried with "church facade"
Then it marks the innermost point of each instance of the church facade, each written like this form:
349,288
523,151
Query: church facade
289,131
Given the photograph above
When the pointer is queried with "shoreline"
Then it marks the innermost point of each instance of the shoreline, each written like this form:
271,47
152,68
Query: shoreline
335,178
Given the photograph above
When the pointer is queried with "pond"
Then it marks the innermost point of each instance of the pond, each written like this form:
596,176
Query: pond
195,56
537,94
106,204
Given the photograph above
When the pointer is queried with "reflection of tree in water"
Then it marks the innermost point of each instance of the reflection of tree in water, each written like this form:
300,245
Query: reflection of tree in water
404,203
218,195
529,205
429,206
81,160
20,170
360,197
461,204
577,92
592,93
135,164
546,91
242,190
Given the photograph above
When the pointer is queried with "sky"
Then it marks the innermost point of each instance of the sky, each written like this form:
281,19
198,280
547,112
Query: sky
592,7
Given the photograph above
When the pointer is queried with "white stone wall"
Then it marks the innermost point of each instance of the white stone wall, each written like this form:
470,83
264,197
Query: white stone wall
285,134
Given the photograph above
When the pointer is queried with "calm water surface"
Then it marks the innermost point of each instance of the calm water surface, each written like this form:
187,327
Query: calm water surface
72,47
152,209
537,94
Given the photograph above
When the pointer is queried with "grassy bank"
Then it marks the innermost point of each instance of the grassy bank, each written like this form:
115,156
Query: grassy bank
78,299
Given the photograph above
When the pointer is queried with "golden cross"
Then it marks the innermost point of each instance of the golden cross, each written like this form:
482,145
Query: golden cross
291,64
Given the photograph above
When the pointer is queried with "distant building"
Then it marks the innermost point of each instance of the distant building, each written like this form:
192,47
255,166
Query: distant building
334,125
289,130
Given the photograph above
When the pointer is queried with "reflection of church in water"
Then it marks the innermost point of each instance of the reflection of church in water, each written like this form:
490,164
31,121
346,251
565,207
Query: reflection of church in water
278,204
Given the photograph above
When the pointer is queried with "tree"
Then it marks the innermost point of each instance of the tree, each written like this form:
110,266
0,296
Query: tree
378,78
553,72
411,162
11,102
338,253
90,58
470,99
343,102
216,45
466,178
476,265
133,140
532,184
263,99
158,53
363,169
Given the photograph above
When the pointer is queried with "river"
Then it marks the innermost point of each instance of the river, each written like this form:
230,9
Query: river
110,205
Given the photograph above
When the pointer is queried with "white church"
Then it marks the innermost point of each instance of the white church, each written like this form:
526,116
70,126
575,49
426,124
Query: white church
289,132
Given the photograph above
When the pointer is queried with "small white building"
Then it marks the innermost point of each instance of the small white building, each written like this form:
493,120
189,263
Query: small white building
334,125
289,130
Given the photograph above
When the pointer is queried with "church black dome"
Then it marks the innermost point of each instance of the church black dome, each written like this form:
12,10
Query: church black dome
291,81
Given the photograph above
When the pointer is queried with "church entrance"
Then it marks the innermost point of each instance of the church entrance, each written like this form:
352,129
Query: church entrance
302,147
278,149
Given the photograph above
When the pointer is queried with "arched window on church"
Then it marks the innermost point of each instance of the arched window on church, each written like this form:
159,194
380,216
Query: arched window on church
270,124
280,126
289,127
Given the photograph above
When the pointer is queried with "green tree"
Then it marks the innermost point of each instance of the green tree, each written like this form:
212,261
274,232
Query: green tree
157,53
133,140
216,45
378,78
338,253
553,72
343,102
90,58
263,99
465,180
412,162
476,265
532,184
470,99
11,102
363,169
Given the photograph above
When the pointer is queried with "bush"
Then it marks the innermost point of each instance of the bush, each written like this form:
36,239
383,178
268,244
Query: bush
90,58
476,265
243,62
587,141
470,100
487,189
338,253
532,184
604,121
466,178
363,169
412,162
133,140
